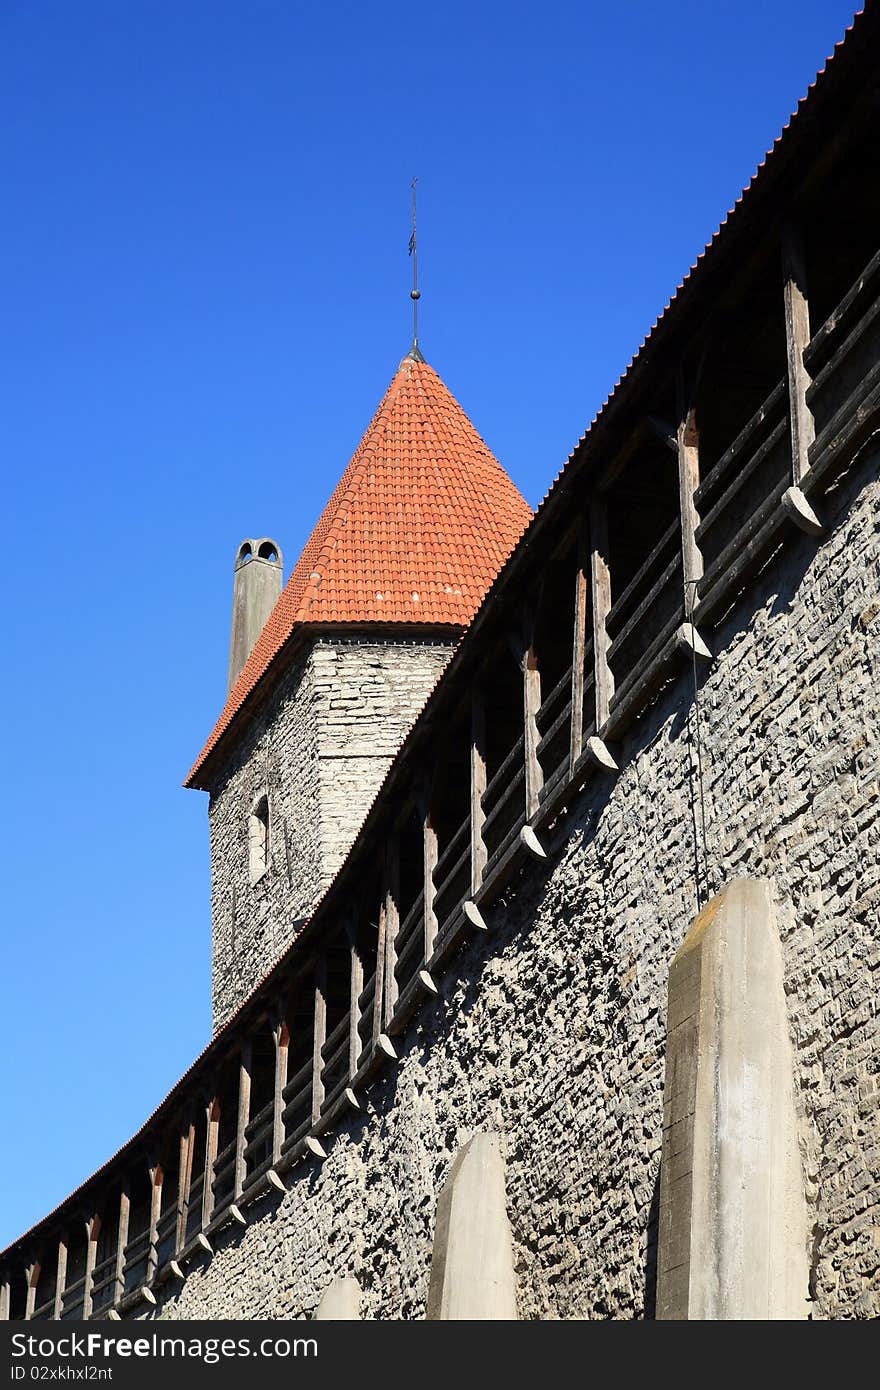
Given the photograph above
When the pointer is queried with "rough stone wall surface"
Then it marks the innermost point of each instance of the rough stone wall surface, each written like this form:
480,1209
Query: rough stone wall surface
550,1029
319,750
369,694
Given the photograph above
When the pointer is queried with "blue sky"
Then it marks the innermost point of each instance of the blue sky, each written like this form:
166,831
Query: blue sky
204,295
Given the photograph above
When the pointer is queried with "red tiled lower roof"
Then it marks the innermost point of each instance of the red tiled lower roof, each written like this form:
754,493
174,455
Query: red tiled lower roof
422,520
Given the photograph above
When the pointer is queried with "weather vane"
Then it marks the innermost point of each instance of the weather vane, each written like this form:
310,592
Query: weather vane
415,294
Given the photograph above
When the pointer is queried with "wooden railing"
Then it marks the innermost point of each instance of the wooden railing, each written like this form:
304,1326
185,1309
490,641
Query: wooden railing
620,649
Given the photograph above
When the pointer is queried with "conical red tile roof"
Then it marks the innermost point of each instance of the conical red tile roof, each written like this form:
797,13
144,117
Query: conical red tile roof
422,520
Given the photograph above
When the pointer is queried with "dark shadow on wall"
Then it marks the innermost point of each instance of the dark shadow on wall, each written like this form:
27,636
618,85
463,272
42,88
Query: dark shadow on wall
653,1235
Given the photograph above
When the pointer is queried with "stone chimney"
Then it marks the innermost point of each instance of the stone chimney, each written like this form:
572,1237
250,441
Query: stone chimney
256,590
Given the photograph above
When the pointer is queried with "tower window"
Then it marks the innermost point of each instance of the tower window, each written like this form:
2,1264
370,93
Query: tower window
258,838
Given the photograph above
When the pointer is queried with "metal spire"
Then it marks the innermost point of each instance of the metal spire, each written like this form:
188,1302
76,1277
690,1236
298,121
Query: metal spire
415,294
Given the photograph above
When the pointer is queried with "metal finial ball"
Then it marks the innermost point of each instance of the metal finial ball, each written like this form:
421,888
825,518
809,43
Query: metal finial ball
415,294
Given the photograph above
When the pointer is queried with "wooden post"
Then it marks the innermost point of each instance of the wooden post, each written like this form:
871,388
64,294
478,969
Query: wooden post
245,1067
797,336
212,1131
156,1180
429,864
93,1230
281,1036
379,977
187,1145
578,649
392,922
32,1276
60,1277
534,776
355,991
5,1299
319,1037
121,1242
478,787
600,597
687,440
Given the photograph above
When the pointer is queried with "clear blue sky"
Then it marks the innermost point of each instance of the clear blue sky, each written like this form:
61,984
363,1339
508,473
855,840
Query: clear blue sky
204,295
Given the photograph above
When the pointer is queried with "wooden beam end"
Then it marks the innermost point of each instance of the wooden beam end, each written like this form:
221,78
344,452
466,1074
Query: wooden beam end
237,1215
352,1098
475,916
147,1295
315,1146
798,510
274,1181
387,1046
532,843
426,981
599,753
689,642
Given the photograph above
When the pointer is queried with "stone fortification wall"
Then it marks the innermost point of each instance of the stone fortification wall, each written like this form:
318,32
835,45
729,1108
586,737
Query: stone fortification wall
318,751
551,1028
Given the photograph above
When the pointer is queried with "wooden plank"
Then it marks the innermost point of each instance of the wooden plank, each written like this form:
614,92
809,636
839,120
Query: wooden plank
319,1037
93,1230
355,990
478,788
245,1069
187,1146
392,922
797,337
156,1180
60,1278
429,864
281,1038
379,976
600,599
122,1241
534,776
578,648
212,1131
32,1276
688,482
847,309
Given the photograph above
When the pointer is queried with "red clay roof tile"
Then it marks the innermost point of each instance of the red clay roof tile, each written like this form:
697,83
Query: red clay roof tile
419,525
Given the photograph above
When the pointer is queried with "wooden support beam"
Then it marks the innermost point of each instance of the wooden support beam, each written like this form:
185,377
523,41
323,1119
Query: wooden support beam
245,1069
60,1278
32,1276
93,1230
379,977
479,854
187,1146
578,648
797,336
392,923
534,776
688,482
5,1298
281,1038
600,602
122,1241
157,1177
356,988
319,1037
429,864
212,1131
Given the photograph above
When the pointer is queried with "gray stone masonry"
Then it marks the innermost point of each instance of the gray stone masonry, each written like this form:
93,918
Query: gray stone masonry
319,752
550,1028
